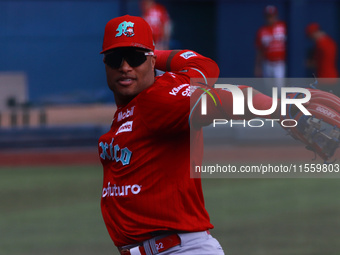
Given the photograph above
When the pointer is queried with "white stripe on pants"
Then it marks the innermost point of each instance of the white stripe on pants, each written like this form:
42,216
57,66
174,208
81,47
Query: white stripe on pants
196,243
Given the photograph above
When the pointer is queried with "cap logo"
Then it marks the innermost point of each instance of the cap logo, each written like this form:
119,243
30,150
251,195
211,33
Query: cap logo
125,28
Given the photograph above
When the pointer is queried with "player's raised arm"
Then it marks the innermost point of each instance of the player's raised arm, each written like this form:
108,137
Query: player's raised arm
171,91
309,115
226,103
191,63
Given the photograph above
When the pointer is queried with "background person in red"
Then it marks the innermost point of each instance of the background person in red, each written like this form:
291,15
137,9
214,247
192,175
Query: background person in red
271,46
159,20
323,58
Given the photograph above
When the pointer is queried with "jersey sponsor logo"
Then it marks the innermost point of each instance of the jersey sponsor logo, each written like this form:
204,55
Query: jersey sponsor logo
175,90
325,111
125,28
120,191
193,89
188,54
126,127
115,153
126,114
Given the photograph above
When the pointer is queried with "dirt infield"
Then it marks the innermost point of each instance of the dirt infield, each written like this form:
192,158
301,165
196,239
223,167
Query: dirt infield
89,156
251,153
60,115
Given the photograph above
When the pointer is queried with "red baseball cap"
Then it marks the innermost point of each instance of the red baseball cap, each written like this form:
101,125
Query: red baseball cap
270,10
311,28
128,31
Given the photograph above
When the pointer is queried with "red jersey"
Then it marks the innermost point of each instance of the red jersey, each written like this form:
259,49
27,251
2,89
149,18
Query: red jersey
157,16
325,57
146,159
271,40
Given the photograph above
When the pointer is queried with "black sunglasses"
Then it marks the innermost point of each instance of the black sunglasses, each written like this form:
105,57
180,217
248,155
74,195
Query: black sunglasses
133,57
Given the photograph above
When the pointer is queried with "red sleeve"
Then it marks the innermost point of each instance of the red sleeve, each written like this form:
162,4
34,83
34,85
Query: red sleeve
190,63
168,99
324,44
222,106
283,24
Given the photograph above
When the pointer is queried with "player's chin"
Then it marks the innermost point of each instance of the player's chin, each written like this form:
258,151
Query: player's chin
127,92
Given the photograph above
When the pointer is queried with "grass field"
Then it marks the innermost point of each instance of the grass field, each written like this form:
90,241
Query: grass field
56,210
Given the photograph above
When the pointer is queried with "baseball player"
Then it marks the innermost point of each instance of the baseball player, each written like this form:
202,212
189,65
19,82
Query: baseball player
149,203
159,20
324,58
271,46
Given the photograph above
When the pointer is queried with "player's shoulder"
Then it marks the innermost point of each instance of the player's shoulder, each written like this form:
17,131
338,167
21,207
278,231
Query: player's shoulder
170,87
281,23
160,8
167,94
262,31
328,38
325,41
172,84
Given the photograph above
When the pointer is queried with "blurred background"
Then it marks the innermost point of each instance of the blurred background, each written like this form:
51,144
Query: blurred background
52,47
54,105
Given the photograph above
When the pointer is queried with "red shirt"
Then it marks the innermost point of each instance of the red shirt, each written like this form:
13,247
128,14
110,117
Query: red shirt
146,159
271,40
325,57
157,17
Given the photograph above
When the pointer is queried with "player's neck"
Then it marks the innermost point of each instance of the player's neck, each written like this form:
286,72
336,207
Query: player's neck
272,23
123,102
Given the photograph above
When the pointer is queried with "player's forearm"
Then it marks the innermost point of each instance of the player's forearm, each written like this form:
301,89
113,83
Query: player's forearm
178,60
224,108
164,58
260,102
